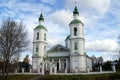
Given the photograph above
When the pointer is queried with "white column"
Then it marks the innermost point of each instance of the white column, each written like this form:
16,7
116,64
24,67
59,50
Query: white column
30,70
100,68
66,63
22,70
76,70
55,70
46,66
15,71
38,69
65,70
50,70
52,60
59,64
114,68
88,69
43,69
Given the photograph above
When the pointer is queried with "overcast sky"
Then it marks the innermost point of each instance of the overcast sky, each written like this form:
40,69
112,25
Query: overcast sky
101,20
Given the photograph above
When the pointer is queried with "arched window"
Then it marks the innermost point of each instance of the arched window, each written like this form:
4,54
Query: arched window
75,31
37,36
44,36
36,48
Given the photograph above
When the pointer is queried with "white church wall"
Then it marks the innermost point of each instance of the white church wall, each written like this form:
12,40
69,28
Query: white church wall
82,61
67,42
89,63
80,49
35,63
81,46
78,62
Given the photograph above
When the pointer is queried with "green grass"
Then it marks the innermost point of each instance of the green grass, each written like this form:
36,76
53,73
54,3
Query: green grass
110,76
20,77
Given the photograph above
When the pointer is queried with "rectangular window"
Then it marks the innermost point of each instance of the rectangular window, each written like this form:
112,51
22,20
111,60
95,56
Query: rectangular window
37,36
76,46
36,48
75,31
44,36
45,48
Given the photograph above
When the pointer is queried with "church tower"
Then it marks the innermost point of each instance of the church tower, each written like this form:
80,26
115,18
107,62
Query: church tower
39,43
77,44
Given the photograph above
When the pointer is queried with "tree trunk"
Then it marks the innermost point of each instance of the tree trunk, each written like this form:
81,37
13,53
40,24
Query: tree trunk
3,70
7,69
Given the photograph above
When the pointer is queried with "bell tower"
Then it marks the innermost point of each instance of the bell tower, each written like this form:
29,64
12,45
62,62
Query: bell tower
39,43
77,43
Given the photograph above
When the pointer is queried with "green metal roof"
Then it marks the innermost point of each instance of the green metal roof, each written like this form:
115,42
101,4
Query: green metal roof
75,21
68,37
40,27
75,11
41,17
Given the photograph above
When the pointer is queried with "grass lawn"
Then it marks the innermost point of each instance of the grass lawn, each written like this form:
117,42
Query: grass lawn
110,76
21,77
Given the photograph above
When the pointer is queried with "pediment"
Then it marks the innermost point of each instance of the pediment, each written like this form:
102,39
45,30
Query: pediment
58,48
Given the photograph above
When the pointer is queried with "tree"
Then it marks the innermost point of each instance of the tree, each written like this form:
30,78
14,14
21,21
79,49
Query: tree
26,59
26,64
12,41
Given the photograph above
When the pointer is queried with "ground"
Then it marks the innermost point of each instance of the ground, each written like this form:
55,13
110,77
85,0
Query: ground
110,76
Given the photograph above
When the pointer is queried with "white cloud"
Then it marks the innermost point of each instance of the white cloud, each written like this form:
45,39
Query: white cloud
110,55
102,45
49,1
100,6
61,17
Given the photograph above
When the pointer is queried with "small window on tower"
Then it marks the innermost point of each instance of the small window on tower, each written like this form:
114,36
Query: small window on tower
36,48
37,36
76,46
75,31
44,36
45,48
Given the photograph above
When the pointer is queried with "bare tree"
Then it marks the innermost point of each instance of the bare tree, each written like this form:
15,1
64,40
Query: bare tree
13,40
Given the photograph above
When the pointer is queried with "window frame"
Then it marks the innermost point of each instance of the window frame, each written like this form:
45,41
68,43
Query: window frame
37,37
75,31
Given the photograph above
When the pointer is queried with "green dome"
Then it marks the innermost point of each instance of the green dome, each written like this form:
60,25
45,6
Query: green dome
68,37
40,27
75,21
75,11
41,17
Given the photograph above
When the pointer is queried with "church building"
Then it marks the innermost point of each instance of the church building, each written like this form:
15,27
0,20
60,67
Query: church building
72,56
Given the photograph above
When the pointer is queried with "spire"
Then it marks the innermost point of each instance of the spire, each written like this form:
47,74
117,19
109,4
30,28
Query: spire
75,11
41,17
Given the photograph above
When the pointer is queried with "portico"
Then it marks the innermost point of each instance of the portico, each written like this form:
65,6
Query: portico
60,63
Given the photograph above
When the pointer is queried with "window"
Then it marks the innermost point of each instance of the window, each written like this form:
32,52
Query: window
75,31
76,46
37,36
44,36
44,48
36,48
